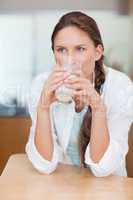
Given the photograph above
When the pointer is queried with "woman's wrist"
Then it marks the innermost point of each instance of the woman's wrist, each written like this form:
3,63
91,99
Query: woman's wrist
43,105
100,108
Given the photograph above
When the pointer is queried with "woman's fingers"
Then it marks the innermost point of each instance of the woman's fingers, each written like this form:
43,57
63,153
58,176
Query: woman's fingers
57,76
53,87
77,80
78,73
76,86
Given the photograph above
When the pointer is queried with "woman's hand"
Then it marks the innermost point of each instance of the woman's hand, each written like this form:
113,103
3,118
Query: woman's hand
54,81
84,93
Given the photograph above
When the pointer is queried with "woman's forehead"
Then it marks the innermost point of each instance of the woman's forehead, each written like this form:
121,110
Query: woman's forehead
71,36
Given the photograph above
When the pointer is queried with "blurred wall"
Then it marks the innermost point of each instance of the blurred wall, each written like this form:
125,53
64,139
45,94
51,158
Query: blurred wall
59,4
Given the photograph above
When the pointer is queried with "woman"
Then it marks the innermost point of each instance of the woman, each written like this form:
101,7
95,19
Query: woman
92,130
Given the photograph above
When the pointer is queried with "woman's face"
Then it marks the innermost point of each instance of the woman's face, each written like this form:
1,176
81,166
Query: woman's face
77,45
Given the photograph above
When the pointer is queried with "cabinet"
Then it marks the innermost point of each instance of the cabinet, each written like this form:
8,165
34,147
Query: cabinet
13,136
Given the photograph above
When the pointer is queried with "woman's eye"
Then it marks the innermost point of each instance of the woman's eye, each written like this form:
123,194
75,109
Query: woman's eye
61,50
81,49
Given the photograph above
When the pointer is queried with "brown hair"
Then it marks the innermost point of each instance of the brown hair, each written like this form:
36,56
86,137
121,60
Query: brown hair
87,24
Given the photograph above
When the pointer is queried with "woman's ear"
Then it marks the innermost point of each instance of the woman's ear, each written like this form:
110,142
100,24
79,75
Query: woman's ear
99,52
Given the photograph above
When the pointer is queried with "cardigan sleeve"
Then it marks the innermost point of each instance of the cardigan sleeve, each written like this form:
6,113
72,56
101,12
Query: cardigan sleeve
119,119
39,162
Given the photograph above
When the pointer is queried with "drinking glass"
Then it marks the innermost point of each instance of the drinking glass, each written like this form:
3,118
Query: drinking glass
64,94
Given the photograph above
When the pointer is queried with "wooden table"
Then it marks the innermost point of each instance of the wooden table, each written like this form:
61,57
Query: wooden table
20,181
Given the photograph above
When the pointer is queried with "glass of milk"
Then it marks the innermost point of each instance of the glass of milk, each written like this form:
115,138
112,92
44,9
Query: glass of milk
64,94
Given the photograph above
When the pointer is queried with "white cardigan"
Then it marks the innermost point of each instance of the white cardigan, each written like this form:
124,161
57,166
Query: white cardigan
118,97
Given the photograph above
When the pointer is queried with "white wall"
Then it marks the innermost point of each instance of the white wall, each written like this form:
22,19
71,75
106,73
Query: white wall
59,4
15,54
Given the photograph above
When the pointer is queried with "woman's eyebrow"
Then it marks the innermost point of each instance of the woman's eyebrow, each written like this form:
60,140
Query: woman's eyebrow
85,45
58,46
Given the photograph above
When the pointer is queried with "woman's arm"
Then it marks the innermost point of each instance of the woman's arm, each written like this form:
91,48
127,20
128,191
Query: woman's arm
41,116
113,148
43,138
109,132
85,91
99,139
43,132
42,147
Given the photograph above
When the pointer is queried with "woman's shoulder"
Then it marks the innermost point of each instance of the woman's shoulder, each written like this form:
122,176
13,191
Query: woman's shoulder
118,89
116,80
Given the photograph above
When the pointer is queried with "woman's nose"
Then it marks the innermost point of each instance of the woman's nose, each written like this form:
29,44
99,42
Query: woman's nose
71,57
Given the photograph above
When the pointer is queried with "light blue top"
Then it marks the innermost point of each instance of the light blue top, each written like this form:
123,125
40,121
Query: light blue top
72,148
